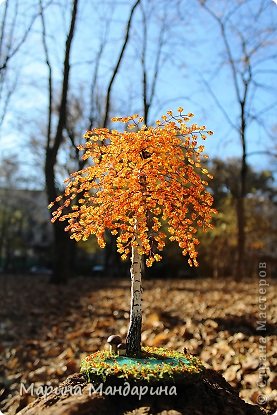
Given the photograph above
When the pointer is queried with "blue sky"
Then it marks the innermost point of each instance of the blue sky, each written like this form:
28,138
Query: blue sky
192,54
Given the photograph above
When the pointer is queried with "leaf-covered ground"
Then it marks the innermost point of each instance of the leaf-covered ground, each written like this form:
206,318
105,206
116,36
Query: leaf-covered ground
45,330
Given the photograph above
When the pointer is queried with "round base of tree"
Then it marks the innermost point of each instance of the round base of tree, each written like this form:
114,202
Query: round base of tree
155,365
198,391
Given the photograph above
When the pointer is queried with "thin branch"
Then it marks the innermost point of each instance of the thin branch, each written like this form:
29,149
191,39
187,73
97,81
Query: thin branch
3,24
117,66
95,75
50,81
227,47
13,52
220,106
143,65
268,153
149,87
66,70
157,62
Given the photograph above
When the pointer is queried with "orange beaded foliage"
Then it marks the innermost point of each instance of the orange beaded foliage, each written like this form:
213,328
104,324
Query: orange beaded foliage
143,184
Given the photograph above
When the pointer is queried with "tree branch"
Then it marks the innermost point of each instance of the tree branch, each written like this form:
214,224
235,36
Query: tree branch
220,106
66,70
117,66
50,82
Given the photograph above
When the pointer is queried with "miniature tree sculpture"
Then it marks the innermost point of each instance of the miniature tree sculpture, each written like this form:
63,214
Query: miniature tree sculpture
141,181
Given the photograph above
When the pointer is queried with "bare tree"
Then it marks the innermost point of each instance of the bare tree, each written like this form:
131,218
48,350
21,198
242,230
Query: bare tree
150,78
63,245
118,63
249,46
16,23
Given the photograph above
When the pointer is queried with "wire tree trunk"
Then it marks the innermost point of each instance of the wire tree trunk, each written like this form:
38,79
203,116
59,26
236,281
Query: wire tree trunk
133,341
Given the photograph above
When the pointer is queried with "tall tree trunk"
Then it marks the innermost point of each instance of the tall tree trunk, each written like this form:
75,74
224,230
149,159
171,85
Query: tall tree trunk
240,238
64,255
240,268
63,246
133,341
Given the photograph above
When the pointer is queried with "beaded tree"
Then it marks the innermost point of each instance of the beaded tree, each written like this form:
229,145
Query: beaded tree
144,185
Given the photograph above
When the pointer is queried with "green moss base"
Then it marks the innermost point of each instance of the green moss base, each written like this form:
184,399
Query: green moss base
154,365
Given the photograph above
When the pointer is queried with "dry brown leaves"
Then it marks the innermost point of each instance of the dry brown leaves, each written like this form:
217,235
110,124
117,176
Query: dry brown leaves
45,330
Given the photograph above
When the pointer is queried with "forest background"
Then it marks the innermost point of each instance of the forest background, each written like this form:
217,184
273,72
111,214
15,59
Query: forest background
68,66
